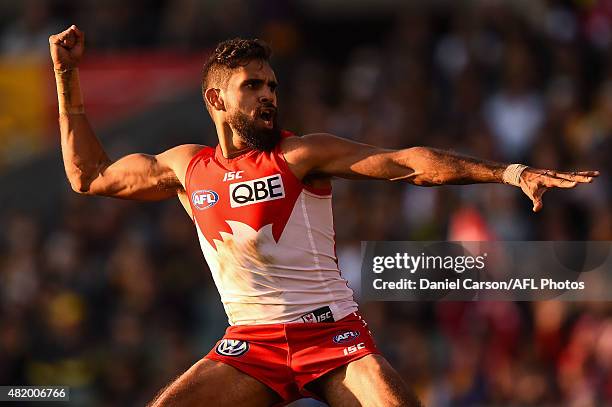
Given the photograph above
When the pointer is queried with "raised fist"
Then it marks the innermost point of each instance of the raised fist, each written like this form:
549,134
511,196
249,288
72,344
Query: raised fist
67,48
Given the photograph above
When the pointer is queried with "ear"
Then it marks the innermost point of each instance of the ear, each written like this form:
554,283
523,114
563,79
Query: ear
213,97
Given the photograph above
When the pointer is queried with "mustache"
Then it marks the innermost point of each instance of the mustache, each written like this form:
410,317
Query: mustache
266,106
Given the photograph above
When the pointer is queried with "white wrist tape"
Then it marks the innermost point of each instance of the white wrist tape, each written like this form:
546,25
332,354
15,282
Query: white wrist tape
69,96
512,174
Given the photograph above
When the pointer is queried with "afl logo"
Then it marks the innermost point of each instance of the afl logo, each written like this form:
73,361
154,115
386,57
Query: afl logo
232,347
346,336
204,198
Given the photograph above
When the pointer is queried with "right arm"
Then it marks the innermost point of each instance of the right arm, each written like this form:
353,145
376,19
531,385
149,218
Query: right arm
88,168
324,155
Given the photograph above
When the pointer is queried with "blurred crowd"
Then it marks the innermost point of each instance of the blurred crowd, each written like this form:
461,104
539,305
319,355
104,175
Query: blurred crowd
114,298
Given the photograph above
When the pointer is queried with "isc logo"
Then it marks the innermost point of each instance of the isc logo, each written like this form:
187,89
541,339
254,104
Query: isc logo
204,198
232,175
256,191
312,317
354,348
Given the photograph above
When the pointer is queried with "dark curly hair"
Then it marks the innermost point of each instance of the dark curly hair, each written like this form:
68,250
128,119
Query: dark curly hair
229,55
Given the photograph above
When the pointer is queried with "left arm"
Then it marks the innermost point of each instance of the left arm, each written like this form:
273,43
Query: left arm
326,155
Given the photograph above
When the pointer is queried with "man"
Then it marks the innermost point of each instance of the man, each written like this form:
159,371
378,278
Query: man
261,204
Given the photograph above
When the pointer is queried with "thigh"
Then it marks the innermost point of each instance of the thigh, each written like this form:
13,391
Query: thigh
369,381
206,384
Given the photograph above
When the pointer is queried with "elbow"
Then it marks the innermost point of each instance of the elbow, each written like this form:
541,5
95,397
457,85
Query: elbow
80,188
421,160
80,184
82,180
424,182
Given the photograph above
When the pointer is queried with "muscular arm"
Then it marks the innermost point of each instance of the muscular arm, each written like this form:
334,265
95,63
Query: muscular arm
135,176
88,168
327,155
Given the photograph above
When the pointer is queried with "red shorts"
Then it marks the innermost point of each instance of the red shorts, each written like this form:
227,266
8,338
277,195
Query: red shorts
286,357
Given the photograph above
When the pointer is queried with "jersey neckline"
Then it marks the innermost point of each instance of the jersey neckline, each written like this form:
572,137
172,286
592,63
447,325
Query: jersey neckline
219,155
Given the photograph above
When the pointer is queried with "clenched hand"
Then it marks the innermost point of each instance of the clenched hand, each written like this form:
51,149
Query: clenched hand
67,48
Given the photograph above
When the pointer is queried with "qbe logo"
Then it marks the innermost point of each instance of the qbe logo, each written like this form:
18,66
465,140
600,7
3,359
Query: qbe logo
232,347
204,198
255,191
345,336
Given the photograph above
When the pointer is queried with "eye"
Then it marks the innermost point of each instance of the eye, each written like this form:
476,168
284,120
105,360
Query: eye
252,84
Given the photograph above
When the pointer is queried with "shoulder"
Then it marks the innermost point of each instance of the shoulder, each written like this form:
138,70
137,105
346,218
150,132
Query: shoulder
181,155
299,145
178,158
316,146
183,151
304,153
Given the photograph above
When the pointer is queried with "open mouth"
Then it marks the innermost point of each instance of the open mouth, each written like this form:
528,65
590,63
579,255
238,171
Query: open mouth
266,114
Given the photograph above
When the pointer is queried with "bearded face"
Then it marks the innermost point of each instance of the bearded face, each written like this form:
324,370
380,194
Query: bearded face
259,130
250,100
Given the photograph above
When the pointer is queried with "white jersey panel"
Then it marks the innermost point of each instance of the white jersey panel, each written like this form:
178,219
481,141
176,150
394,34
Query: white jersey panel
264,281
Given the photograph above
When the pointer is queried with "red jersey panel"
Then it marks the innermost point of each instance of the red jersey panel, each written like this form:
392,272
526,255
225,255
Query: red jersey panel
268,238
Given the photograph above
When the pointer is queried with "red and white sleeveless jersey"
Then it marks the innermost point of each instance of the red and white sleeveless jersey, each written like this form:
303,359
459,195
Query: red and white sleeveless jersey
268,238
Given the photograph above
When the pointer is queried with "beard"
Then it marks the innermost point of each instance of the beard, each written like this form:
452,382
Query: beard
255,136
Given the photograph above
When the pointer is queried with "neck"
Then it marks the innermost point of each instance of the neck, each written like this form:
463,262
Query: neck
230,142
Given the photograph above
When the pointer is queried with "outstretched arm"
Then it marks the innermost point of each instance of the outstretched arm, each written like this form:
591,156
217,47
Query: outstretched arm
327,155
88,168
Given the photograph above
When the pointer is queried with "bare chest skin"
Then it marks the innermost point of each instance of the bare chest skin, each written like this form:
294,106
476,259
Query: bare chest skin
316,182
184,200
180,169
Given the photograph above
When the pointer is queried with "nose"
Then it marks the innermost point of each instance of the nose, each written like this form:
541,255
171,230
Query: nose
268,96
